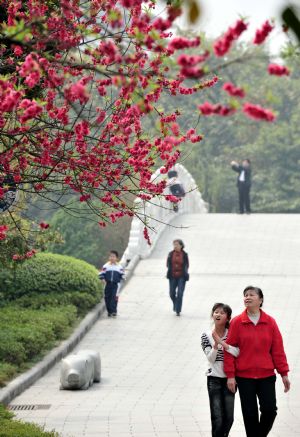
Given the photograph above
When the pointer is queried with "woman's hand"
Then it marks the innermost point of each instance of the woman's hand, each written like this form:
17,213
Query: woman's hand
286,383
231,384
216,337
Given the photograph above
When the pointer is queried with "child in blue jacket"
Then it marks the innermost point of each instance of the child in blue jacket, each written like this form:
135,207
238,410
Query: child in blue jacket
112,274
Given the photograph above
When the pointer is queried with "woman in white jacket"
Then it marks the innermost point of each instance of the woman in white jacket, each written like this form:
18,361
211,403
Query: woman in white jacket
213,344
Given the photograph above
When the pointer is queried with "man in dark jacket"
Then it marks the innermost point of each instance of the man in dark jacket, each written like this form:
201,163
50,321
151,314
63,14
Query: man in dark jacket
243,184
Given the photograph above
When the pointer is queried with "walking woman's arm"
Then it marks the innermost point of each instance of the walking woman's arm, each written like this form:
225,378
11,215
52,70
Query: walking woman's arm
279,357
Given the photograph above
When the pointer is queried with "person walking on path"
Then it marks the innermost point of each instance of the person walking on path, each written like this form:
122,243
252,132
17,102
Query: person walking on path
221,399
175,186
177,273
243,184
257,336
112,274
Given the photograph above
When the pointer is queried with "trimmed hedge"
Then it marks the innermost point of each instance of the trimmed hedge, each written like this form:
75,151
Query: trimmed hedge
25,334
43,299
16,428
82,301
48,272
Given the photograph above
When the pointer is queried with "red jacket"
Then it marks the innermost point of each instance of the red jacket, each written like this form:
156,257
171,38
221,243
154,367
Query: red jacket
261,348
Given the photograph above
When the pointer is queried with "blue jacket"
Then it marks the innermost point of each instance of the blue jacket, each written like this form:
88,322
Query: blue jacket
112,272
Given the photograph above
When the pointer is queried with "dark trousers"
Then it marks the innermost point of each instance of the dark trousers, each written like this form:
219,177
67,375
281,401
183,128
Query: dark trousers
244,197
110,297
177,286
264,389
221,402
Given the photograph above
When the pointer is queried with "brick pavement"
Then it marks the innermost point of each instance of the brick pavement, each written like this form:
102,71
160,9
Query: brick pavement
153,367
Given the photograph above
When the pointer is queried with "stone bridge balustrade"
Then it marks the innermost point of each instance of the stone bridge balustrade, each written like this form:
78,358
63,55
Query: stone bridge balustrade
158,213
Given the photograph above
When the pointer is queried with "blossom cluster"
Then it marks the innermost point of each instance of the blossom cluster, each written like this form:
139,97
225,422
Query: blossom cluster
263,33
77,90
223,44
278,70
233,90
257,112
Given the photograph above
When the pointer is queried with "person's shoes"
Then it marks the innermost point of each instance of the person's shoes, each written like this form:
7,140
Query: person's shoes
240,212
248,212
109,315
178,314
114,314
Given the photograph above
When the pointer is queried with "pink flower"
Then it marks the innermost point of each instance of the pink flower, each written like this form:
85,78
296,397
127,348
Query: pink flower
44,225
257,112
261,34
233,90
278,70
208,109
223,44
180,42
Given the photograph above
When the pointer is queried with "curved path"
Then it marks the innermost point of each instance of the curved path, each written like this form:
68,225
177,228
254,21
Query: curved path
153,366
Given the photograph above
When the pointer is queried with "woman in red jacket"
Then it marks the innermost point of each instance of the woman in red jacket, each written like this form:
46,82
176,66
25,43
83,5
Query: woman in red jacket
261,352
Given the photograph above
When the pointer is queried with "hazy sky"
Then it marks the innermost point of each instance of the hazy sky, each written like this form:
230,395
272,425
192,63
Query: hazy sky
217,15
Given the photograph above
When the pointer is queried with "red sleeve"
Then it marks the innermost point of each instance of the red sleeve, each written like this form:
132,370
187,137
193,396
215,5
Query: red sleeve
232,340
277,352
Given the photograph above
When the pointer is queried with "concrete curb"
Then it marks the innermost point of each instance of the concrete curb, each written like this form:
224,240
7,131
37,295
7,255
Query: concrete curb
22,382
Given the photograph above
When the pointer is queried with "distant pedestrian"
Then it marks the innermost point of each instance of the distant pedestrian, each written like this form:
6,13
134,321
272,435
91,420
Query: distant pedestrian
257,336
112,274
175,186
221,399
243,184
177,265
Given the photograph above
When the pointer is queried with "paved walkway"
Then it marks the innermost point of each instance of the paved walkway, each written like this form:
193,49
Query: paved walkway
153,367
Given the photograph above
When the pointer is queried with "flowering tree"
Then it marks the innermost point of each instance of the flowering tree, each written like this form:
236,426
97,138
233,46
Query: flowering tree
77,82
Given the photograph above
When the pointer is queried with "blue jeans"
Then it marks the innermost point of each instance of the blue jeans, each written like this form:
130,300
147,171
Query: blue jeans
110,293
177,286
221,402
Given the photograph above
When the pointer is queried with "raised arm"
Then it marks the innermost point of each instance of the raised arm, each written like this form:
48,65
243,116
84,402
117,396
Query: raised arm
210,352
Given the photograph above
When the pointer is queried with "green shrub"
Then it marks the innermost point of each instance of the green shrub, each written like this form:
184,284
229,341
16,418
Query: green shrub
82,301
47,273
16,428
26,333
7,371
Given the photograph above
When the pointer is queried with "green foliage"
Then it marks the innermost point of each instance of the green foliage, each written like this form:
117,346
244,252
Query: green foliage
46,273
16,428
26,334
7,371
82,301
84,238
274,148
22,236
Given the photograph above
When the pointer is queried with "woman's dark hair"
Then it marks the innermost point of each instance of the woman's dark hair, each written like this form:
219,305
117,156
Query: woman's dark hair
257,290
226,308
172,174
179,242
114,252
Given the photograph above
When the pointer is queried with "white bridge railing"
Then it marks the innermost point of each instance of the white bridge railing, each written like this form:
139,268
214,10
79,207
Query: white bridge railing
158,214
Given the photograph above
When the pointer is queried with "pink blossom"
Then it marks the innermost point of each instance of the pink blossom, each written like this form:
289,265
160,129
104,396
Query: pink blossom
261,34
232,90
278,70
223,44
257,112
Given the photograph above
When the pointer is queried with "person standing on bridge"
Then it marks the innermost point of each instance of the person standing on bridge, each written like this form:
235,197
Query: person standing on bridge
177,265
257,336
243,184
221,399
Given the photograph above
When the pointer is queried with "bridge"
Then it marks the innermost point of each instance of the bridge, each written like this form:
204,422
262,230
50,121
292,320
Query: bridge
153,368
